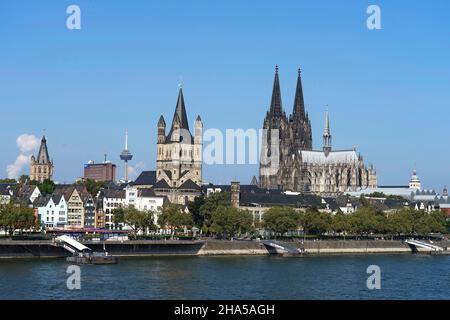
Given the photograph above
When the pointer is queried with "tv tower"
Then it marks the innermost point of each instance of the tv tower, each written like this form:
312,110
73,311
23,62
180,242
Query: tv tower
126,155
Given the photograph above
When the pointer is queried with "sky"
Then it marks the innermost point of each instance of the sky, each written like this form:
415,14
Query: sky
387,90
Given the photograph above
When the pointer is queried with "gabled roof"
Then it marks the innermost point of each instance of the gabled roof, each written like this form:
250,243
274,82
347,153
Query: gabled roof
168,173
42,201
57,198
65,190
26,191
5,189
161,184
146,193
269,199
189,185
112,194
334,157
146,178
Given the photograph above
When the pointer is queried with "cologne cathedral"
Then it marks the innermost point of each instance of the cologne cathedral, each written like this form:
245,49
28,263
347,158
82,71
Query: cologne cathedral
288,161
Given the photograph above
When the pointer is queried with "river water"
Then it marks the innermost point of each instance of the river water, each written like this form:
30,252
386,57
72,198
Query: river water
404,276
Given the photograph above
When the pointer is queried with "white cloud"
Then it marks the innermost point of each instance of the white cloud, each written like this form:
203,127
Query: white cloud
134,171
14,169
27,144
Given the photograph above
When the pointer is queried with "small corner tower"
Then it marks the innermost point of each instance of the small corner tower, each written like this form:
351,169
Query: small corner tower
415,183
327,135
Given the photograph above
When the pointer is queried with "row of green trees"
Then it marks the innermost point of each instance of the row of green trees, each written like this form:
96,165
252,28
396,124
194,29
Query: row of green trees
366,220
223,220
16,218
215,216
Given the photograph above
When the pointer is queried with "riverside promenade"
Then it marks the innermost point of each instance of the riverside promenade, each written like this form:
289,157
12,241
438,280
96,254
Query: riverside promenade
48,249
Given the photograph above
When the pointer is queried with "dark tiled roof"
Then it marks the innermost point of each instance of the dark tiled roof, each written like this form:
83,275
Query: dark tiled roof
169,173
115,186
183,173
281,199
147,193
57,198
5,189
42,201
190,185
146,178
244,188
65,190
115,194
25,191
162,184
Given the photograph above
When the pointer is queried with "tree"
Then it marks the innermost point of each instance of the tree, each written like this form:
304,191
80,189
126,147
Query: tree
365,221
138,220
24,179
92,186
118,216
430,222
8,181
320,222
46,187
281,220
400,222
211,203
340,223
230,221
14,217
174,217
195,209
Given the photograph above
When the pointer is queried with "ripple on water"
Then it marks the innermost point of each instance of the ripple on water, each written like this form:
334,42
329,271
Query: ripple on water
241,277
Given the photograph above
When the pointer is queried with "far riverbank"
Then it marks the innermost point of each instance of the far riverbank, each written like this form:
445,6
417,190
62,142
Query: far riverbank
46,249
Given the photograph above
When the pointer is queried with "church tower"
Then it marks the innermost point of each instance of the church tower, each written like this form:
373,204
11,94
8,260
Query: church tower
41,168
288,161
282,141
301,137
275,128
179,154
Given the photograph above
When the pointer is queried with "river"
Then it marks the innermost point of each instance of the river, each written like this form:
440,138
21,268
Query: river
403,276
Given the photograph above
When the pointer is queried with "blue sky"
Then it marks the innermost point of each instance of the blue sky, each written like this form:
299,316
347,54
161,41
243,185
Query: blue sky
387,90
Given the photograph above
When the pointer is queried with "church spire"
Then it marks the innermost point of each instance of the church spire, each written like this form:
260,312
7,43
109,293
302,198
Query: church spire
327,135
43,157
276,108
180,112
299,103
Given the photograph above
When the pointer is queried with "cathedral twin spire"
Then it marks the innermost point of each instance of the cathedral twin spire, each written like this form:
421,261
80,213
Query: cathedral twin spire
276,106
299,115
296,129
